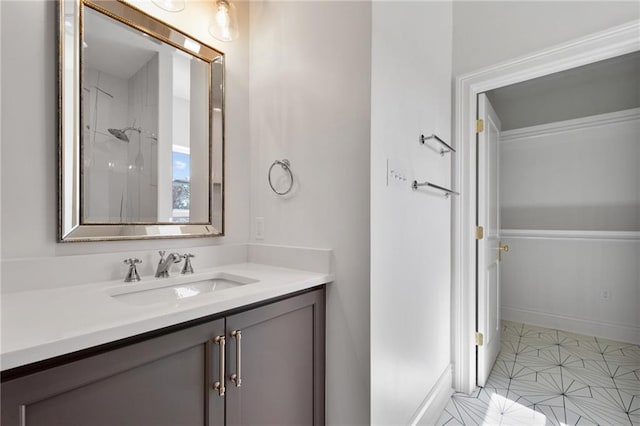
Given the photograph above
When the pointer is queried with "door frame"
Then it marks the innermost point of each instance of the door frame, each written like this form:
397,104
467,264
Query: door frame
603,45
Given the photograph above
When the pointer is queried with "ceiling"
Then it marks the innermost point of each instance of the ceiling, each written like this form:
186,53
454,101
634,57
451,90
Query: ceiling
598,88
115,48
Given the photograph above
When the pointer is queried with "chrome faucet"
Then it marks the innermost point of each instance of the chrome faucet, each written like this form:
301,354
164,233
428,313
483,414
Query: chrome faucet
187,268
165,263
132,274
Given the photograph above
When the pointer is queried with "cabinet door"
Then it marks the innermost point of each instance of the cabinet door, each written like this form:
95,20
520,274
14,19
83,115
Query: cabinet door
166,380
280,363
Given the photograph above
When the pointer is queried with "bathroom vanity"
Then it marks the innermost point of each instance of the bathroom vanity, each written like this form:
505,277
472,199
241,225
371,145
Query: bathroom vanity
253,354
141,156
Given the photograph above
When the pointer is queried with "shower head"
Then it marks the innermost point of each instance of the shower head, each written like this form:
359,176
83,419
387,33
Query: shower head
121,133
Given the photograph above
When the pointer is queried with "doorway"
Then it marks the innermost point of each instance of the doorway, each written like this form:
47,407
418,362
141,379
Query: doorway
601,46
558,183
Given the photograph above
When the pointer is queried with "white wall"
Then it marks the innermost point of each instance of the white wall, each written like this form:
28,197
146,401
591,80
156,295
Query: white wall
570,207
310,98
558,281
1,133
141,176
410,231
574,175
106,158
488,32
29,141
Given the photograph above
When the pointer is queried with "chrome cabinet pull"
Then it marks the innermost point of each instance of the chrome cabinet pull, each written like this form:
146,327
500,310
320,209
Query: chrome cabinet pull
237,377
219,385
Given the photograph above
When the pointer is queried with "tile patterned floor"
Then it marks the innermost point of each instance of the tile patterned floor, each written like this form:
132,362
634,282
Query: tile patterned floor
552,377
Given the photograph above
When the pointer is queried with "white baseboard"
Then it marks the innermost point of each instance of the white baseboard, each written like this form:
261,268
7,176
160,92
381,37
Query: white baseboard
435,401
612,331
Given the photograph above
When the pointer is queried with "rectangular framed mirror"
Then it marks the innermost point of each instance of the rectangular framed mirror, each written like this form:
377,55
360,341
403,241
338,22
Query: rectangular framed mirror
141,127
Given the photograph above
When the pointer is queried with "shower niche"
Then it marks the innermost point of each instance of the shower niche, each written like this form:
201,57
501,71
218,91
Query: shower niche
141,127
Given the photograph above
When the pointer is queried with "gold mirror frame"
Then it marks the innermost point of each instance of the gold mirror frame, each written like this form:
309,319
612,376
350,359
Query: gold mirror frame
71,227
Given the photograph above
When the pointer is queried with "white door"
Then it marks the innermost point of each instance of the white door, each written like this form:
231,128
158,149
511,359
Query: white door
488,248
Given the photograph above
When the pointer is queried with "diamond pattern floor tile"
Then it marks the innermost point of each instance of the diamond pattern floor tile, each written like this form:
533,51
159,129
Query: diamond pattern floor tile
553,377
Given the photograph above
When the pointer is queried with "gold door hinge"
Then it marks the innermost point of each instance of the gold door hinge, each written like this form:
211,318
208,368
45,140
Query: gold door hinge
479,126
479,339
479,232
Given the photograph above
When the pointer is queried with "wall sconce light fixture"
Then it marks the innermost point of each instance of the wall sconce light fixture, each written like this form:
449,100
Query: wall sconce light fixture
224,25
170,5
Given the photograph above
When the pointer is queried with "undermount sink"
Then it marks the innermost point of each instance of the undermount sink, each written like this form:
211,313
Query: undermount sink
171,291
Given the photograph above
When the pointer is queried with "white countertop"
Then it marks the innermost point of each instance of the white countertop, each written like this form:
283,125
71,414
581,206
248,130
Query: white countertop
40,324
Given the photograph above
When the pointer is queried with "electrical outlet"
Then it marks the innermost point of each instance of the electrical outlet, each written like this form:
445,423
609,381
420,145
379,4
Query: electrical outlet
259,228
605,295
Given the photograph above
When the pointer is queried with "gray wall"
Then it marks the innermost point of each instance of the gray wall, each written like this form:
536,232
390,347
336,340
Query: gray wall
580,175
411,230
310,103
600,88
485,33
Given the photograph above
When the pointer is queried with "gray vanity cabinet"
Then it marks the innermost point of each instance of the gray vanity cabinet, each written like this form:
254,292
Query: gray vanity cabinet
281,359
166,380
170,379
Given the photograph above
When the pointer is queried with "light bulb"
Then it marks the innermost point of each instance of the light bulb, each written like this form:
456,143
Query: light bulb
222,16
223,20
224,25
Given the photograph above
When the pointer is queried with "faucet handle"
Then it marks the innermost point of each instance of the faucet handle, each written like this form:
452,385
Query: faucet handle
161,253
132,274
187,268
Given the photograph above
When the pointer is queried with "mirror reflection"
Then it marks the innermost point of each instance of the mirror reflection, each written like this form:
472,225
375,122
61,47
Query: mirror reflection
148,146
138,168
